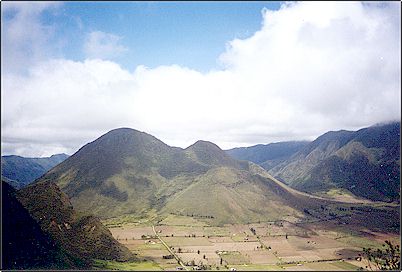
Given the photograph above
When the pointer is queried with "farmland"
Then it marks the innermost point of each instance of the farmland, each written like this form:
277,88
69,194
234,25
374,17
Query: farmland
181,242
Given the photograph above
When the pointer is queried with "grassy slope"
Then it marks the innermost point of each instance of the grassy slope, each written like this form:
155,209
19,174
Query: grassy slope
129,172
365,163
126,266
25,245
230,196
82,237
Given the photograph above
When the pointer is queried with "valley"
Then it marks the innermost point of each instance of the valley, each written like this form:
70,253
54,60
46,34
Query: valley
320,244
200,136
128,201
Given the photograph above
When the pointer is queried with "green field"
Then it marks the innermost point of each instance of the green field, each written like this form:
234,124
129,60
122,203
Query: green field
234,257
257,267
127,266
234,246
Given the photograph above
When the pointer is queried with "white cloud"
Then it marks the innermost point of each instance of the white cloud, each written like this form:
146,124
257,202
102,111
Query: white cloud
311,68
103,45
25,40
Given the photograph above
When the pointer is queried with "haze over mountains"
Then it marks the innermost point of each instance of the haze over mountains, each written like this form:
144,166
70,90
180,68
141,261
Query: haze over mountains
365,163
19,171
269,155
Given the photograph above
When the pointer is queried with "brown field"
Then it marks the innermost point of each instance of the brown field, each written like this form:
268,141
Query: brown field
307,246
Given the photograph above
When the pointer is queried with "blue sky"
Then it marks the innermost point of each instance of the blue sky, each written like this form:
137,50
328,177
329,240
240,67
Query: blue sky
233,73
191,34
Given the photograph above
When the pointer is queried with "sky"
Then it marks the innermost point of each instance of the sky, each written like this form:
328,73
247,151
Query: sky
233,73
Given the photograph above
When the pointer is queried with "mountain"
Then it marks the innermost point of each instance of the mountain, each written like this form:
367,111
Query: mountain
19,171
267,156
43,230
130,172
365,163
24,244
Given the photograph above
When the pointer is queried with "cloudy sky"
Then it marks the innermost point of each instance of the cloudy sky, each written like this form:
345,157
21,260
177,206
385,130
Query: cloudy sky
236,74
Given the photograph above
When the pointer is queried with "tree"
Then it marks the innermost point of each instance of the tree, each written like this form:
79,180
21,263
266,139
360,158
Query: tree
388,258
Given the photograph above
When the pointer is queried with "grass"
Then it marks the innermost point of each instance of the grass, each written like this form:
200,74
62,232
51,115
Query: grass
126,266
216,231
151,246
129,219
338,192
234,257
360,242
239,237
326,266
179,220
345,266
225,195
256,267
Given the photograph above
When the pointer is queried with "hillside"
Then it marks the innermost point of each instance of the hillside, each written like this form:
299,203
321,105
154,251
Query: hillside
135,173
20,171
269,155
365,163
70,239
126,173
24,244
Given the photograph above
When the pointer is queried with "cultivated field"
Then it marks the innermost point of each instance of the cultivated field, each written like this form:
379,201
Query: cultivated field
185,243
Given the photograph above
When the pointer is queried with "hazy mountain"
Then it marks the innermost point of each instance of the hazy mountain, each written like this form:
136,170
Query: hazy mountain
130,172
43,230
19,171
365,163
269,155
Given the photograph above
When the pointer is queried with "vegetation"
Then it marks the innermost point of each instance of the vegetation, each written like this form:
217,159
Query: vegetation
386,258
268,155
365,163
19,171
81,237
126,266
24,244
200,192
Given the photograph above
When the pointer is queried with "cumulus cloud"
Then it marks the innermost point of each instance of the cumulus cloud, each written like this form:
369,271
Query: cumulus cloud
103,45
311,68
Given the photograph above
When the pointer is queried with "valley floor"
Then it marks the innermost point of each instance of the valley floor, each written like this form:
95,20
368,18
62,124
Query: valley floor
183,243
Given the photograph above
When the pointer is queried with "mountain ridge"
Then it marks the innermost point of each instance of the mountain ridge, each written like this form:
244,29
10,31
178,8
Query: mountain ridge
135,173
20,171
364,162
267,155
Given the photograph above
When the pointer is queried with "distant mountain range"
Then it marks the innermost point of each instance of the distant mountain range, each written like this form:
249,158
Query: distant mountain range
269,155
19,171
365,163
